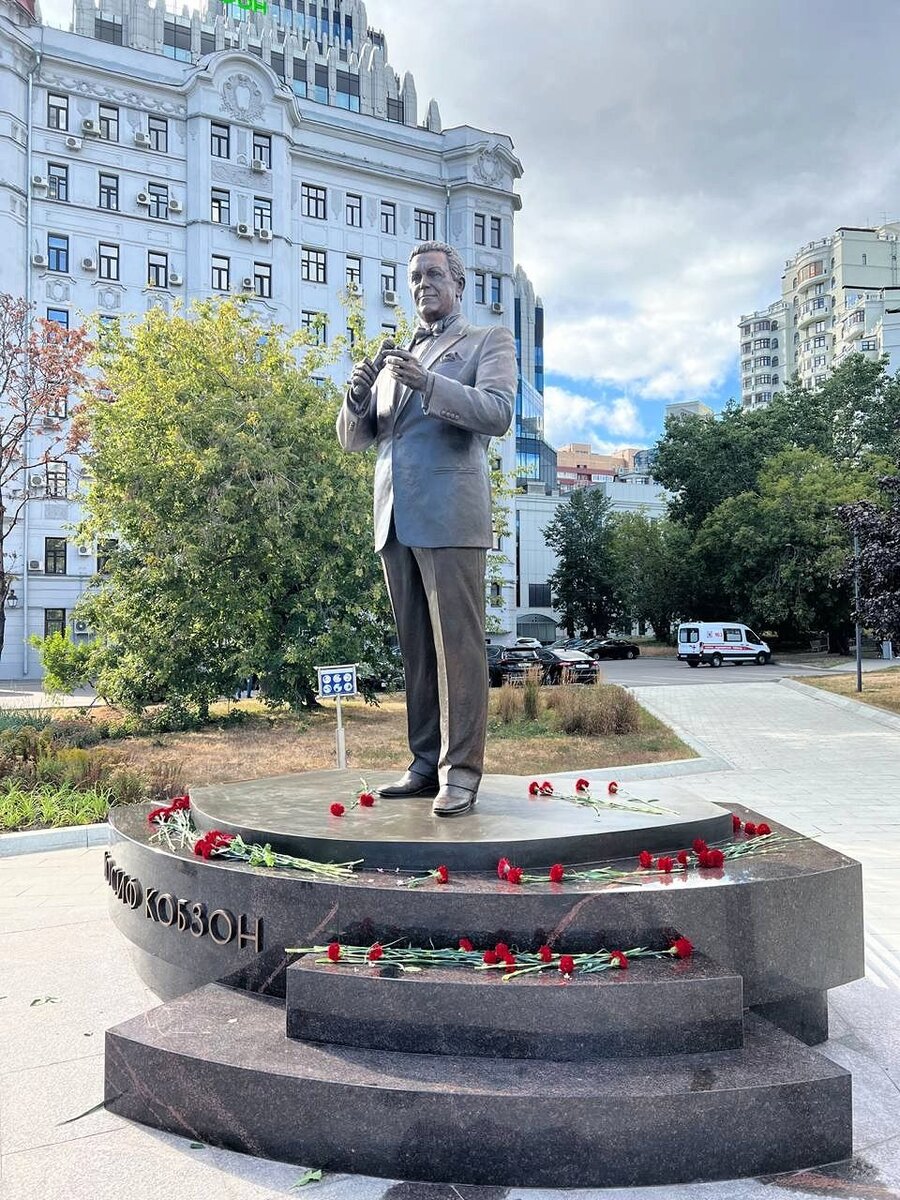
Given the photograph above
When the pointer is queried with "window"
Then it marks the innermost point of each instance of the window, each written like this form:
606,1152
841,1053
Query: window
262,280
539,595
496,289
389,328
316,325
353,271
109,192
733,635
109,122
158,129
424,225
688,634
313,265
347,92
157,269
58,181
480,231
221,269
262,212
57,111
262,149
57,482
159,200
108,31
480,289
59,315
207,42
277,64
108,257
54,555
57,252
388,217
219,140
353,210
312,201
54,621
220,206
495,233
177,40
395,110
320,90
388,277
298,83
106,547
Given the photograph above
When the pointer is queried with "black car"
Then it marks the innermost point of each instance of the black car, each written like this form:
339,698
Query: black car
611,648
569,666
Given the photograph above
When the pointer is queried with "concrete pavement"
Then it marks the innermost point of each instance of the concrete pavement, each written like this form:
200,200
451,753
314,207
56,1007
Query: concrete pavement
827,770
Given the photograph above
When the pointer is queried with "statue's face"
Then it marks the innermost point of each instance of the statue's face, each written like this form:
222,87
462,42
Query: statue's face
434,290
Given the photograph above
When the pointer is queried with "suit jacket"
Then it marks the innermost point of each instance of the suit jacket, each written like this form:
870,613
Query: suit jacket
431,472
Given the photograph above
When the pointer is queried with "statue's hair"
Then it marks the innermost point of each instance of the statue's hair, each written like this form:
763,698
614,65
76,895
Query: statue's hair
454,261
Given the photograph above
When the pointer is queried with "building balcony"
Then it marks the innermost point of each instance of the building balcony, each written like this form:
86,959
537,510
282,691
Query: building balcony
808,314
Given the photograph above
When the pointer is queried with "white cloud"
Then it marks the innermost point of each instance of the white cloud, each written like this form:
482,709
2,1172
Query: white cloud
569,417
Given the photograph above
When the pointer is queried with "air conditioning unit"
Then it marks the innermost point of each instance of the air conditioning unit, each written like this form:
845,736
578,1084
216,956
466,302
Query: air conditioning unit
88,264
389,296
34,564
35,481
50,422
81,627
39,181
264,235
141,138
353,289
73,143
90,127
242,229
39,260
174,279
258,165
175,206
142,198
84,551
247,283
496,307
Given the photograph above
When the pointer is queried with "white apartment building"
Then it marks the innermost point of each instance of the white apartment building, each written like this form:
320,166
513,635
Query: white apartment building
148,157
839,295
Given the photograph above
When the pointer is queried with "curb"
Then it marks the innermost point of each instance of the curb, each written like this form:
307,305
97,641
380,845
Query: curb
68,837
704,765
877,715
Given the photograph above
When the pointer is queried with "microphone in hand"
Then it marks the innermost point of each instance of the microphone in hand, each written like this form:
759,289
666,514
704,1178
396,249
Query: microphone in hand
366,372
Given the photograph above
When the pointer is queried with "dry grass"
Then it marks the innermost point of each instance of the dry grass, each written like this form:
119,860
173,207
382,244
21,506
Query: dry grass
881,689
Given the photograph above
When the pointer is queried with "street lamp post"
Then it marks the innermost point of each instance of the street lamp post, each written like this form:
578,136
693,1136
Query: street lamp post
856,611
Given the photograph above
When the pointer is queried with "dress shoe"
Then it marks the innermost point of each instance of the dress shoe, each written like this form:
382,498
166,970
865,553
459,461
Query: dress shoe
453,801
409,784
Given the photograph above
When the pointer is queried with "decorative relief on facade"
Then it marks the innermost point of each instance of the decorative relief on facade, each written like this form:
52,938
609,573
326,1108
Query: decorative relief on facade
488,167
241,97
58,289
101,91
109,298
371,210
405,217
457,224
337,203
242,176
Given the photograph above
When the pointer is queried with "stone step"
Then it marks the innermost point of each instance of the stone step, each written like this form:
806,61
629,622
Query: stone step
654,1007
215,1066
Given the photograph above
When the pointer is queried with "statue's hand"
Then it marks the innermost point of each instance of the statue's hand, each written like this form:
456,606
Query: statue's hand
363,380
406,369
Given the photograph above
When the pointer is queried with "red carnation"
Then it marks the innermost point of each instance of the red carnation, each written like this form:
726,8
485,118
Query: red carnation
750,829
218,840
682,857
366,799
337,809
645,859
612,787
703,858
546,788
736,823
715,858
682,948
699,845
545,954
762,829
155,813
490,958
442,875
503,868
534,788
501,949
664,863
334,951
567,964
619,958
374,953
556,873
180,803
203,848
465,944
582,785
514,875
509,959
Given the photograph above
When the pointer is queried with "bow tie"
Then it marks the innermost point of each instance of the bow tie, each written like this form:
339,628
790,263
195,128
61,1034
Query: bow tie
423,333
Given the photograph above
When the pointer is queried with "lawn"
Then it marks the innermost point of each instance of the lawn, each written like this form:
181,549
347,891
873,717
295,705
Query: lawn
881,689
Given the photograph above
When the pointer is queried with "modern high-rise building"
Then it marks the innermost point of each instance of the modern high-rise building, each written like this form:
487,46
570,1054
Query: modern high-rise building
268,150
840,295
535,458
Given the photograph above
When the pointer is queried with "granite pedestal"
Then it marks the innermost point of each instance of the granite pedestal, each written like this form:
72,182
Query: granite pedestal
645,1076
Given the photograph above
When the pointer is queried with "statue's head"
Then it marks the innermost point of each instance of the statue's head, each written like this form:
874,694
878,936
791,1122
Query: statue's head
437,279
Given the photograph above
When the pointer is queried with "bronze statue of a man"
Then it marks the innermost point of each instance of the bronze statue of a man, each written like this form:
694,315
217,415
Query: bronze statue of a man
431,410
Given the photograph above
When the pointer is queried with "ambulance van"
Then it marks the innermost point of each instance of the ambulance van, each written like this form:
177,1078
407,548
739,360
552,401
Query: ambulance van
720,641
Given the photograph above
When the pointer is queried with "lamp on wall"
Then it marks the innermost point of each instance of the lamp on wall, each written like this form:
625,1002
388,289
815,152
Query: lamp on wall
12,600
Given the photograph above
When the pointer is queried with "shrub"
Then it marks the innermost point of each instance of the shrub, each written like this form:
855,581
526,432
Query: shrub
594,711
531,696
50,805
510,704
14,718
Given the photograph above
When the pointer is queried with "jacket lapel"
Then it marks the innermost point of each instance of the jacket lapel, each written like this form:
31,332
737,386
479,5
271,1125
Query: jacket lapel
436,350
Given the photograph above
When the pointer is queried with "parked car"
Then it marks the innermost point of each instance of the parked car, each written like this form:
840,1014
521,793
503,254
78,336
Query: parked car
720,641
568,666
529,642
511,664
611,648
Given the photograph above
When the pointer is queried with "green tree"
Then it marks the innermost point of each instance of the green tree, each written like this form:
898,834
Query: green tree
649,561
583,586
877,527
245,532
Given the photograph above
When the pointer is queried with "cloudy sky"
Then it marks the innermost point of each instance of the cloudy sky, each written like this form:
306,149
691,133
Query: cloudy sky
675,153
